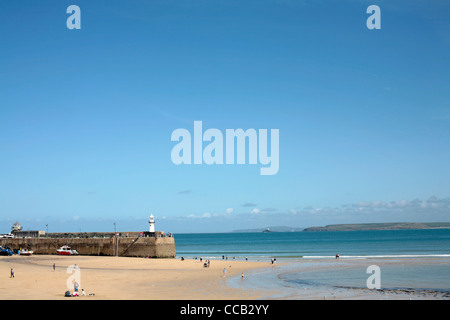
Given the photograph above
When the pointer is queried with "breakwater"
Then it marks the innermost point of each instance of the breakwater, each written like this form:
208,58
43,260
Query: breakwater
132,244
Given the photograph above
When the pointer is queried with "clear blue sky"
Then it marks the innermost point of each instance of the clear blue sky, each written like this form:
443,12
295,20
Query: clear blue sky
86,115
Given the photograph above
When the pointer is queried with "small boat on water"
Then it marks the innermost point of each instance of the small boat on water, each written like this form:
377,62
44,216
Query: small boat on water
66,251
25,252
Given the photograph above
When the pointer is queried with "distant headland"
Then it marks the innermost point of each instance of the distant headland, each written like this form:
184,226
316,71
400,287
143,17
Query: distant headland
356,227
381,226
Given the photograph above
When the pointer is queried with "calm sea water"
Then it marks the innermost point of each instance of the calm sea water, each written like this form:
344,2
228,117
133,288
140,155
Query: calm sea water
409,259
423,242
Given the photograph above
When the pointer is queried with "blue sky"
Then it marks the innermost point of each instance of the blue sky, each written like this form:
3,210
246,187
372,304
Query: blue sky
86,115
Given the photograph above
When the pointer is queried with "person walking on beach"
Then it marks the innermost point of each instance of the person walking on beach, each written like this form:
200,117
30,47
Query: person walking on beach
54,266
12,273
224,271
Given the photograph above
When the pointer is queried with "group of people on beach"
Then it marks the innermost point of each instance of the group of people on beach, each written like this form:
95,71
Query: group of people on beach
207,263
75,292
234,258
272,260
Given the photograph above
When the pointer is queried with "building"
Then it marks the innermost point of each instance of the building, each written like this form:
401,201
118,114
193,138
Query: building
28,234
18,232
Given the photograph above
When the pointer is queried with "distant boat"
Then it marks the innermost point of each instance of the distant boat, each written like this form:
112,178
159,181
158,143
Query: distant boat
66,251
267,230
25,252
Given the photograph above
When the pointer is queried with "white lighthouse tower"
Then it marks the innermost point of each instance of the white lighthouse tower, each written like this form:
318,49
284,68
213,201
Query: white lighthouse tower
151,222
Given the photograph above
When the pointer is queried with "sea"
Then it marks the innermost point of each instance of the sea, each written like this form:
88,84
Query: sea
383,264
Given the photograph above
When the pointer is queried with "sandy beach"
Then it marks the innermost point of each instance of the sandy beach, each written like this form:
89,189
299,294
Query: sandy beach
122,278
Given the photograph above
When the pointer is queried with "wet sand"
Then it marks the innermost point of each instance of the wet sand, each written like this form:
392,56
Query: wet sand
346,279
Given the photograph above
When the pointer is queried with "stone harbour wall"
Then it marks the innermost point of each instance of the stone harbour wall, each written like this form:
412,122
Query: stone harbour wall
152,247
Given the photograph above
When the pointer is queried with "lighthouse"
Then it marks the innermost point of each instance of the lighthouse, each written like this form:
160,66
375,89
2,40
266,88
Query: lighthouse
151,222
